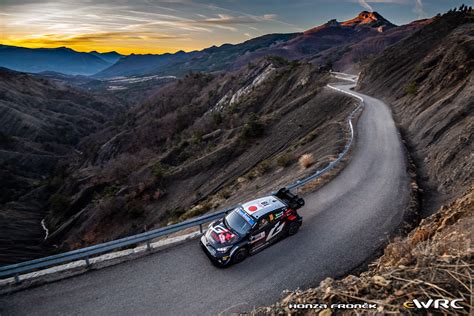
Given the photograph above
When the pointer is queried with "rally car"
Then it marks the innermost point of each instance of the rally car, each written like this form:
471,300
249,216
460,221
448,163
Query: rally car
252,226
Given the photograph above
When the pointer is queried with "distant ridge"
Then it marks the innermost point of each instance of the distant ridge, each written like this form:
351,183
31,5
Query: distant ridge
62,60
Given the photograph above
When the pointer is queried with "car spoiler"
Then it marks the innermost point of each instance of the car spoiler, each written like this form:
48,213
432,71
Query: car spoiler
293,200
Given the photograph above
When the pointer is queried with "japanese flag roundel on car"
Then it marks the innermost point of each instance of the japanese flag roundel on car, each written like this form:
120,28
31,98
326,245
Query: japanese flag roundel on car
252,208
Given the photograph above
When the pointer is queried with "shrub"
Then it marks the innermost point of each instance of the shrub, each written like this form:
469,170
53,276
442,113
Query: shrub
111,190
197,137
136,212
277,60
225,193
411,89
306,160
263,167
59,202
5,139
253,128
217,118
284,160
159,172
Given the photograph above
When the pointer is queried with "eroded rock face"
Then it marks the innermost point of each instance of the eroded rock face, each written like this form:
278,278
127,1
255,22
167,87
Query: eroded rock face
190,140
429,81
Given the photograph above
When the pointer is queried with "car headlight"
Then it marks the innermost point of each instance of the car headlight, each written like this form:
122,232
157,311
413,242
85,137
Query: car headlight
224,249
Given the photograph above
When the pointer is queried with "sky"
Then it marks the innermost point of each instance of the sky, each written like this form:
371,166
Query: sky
149,26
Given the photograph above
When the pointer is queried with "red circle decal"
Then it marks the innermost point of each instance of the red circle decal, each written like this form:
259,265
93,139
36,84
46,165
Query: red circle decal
252,208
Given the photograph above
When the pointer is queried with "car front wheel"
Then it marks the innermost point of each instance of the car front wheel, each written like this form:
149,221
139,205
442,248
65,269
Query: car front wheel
240,255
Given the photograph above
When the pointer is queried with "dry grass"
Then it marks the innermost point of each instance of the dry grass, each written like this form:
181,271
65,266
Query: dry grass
306,161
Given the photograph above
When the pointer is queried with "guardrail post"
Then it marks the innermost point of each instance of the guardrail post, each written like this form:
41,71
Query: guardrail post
148,246
17,278
200,228
88,263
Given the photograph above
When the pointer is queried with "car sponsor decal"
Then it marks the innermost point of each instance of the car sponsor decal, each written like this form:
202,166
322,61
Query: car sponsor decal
257,237
221,234
275,230
252,208
278,215
246,217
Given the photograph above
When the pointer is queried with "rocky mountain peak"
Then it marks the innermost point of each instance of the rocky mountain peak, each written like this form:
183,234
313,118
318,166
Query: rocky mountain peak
366,18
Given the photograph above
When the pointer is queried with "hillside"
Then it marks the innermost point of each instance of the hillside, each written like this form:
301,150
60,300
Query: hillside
208,60
428,78
40,125
323,45
196,145
62,60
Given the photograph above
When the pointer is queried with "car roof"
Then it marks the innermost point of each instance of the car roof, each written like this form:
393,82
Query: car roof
262,206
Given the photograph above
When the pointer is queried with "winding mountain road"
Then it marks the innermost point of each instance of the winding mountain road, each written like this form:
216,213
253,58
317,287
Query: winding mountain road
344,223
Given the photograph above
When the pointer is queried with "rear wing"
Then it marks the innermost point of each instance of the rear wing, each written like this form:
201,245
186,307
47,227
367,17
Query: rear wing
293,200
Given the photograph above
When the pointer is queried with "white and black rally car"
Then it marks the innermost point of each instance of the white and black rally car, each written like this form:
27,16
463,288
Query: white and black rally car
251,227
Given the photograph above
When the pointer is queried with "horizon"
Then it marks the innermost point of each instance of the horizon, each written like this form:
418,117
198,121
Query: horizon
183,25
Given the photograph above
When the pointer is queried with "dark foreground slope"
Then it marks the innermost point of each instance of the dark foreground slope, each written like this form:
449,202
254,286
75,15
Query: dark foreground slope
40,124
428,78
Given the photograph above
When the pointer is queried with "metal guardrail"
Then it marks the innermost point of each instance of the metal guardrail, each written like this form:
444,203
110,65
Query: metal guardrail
15,270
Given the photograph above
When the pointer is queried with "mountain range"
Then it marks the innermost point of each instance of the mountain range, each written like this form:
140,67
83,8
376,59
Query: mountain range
338,45
335,44
62,59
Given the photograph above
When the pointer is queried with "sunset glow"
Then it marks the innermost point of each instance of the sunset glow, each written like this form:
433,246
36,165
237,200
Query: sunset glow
171,25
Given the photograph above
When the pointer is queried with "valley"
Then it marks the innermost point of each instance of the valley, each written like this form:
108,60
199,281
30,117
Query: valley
95,147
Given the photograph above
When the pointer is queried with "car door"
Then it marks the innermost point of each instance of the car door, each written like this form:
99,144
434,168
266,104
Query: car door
258,237
278,223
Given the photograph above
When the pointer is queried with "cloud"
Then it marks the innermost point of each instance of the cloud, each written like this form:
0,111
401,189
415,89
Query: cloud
365,5
224,19
418,9
61,39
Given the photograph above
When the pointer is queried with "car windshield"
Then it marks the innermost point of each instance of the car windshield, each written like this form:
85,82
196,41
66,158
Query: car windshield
236,221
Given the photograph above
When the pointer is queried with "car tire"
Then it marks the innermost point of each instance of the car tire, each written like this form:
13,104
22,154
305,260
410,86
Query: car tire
293,229
240,255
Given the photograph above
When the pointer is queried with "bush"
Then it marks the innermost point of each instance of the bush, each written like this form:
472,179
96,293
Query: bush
59,202
253,128
225,193
411,89
284,160
263,167
217,118
111,190
136,212
306,160
277,60
5,139
159,172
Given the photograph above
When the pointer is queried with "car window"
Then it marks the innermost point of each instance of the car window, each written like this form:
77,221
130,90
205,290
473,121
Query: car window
235,221
275,215
263,222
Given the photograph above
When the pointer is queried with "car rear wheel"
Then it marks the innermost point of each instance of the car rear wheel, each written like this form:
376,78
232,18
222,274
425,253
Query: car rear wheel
293,229
240,255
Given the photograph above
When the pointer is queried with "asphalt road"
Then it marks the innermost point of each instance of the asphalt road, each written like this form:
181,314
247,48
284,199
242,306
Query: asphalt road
344,222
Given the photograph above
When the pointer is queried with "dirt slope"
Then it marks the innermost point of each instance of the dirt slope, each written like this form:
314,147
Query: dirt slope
196,138
429,80
41,122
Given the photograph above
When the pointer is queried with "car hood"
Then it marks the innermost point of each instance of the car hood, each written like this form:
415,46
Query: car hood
219,235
